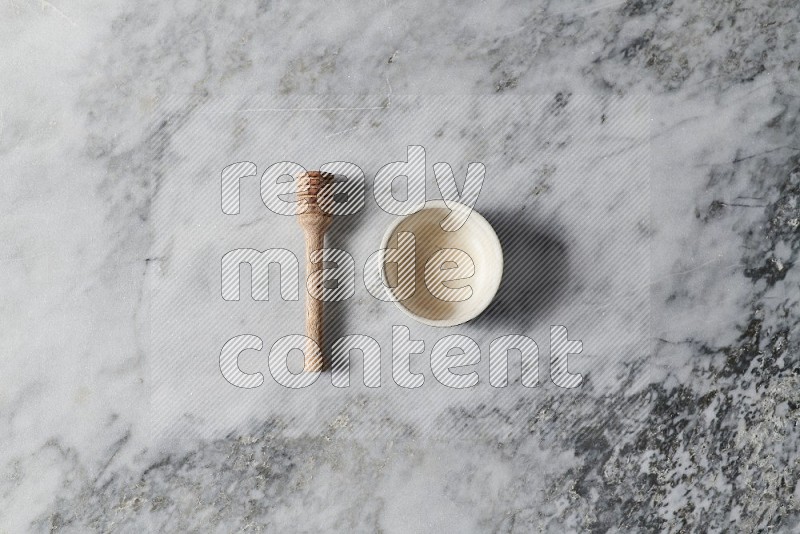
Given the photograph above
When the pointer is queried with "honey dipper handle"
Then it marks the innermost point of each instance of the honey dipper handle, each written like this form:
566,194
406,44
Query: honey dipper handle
315,240
312,196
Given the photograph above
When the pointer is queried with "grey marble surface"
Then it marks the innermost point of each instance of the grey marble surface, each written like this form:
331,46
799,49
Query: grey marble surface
115,122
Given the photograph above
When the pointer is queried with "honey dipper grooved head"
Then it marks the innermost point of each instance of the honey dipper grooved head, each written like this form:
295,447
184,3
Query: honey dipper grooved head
310,193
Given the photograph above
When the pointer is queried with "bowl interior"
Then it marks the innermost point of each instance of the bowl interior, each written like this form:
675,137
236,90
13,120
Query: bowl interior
476,238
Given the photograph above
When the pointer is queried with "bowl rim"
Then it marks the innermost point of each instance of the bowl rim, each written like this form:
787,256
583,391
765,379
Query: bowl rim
495,241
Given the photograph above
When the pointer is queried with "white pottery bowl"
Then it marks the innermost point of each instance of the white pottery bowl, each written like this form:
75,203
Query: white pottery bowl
476,238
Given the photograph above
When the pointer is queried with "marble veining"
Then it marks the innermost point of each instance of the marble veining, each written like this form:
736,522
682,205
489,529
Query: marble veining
99,104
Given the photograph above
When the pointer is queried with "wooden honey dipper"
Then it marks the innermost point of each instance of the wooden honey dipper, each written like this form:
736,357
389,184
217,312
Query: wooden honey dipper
314,222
